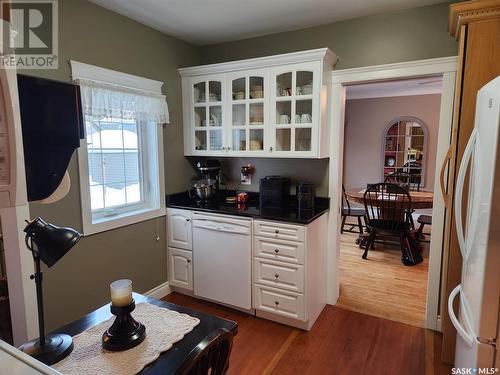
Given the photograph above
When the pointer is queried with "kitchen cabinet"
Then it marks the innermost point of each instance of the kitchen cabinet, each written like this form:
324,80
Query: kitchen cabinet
246,131
180,269
275,106
295,109
278,269
180,246
205,105
180,234
289,272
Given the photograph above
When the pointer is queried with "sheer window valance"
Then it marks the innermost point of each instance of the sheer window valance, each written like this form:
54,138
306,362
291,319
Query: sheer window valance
108,100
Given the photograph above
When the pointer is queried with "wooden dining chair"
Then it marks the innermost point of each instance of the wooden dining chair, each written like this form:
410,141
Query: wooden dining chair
386,207
423,220
407,180
348,211
211,356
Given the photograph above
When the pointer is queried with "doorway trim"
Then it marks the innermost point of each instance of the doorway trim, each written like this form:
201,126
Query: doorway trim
445,67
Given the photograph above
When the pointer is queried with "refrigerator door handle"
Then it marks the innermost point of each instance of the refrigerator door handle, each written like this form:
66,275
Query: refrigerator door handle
446,161
458,197
469,339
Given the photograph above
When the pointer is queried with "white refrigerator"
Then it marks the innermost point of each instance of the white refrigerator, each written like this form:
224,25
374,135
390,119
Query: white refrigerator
479,291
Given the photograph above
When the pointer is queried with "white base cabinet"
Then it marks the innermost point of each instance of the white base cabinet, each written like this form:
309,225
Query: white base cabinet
288,283
180,268
180,249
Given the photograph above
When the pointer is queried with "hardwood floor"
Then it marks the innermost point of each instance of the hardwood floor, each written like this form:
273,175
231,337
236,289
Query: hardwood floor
381,285
341,342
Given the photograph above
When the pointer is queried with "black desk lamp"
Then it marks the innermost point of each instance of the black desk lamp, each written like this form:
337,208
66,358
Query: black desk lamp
51,244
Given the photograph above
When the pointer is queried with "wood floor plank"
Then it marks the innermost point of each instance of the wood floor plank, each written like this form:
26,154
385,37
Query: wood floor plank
381,285
257,342
341,342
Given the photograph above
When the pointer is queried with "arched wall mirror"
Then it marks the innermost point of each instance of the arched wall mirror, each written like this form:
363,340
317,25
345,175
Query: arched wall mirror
405,141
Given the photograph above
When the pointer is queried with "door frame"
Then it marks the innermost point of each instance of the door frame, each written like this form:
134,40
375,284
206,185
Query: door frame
445,67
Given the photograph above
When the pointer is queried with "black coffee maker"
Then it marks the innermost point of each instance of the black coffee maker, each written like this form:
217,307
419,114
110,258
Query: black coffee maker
210,169
305,193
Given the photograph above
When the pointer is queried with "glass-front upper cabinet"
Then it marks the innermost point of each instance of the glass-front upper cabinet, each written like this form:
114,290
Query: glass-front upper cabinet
248,94
207,114
295,108
273,106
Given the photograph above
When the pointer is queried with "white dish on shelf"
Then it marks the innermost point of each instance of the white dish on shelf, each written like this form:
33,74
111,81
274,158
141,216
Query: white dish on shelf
257,94
307,89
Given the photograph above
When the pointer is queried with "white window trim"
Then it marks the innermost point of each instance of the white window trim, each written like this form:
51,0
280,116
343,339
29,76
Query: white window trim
95,73
90,72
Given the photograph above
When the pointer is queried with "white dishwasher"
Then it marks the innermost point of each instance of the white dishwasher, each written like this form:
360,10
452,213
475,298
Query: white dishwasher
222,259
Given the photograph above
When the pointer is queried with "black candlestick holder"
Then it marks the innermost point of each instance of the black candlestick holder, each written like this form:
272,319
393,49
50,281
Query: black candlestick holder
125,332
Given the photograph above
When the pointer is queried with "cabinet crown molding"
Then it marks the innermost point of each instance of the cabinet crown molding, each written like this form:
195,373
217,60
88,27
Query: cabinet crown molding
324,54
474,10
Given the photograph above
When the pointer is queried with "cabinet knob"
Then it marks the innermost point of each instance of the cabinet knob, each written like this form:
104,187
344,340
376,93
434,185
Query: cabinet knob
229,148
276,251
276,303
188,260
223,148
277,275
270,149
276,231
188,220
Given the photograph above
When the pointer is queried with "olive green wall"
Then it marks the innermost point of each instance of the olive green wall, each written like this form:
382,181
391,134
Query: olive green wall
79,282
406,35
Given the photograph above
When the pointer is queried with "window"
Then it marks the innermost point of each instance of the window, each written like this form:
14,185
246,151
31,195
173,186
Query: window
121,160
404,150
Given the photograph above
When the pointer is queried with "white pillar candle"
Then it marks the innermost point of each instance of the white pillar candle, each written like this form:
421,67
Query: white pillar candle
121,292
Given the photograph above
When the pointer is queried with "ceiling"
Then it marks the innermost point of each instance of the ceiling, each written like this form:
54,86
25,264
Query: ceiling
406,87
205,22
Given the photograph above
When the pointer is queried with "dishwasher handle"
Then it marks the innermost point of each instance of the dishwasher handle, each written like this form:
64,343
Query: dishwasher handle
220,226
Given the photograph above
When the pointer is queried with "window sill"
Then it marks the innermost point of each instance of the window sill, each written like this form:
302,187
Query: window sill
129,218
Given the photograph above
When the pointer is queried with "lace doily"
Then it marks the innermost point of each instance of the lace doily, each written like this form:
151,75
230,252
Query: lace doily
163,329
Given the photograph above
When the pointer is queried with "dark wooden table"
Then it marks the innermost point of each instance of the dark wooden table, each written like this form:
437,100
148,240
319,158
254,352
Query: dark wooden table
169,361
419,199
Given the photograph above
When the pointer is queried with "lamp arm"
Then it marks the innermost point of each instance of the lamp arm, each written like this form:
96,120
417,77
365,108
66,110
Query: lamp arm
29,237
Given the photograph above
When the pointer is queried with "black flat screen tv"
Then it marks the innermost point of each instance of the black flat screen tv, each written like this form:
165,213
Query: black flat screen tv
52,126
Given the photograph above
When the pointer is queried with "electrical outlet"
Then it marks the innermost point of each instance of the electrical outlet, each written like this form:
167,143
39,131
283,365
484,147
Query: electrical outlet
246,180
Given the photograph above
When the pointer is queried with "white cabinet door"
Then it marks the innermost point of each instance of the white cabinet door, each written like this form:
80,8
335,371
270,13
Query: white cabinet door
180,268
207,114
180,233
295,109
247,98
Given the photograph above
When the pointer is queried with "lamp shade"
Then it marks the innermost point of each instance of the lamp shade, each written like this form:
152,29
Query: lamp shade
52,242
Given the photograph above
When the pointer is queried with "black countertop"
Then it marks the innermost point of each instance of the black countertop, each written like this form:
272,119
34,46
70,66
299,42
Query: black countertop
218,205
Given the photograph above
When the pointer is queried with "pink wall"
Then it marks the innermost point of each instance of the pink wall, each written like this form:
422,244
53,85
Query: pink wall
366,120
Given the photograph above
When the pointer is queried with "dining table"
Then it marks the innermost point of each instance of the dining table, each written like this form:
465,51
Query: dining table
419,199
171,360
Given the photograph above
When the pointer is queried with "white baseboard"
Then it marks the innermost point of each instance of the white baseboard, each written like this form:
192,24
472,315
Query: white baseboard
160,291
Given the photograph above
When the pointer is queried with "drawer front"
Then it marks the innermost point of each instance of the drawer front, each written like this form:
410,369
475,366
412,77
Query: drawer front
279,275
279,230
286,251
279,302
